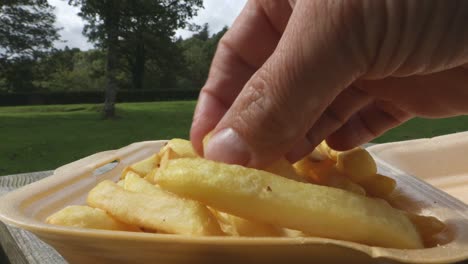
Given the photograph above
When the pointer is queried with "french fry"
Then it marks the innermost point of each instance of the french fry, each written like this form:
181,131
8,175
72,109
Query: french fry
379,186
155,211
342,182
88,217
357,163
285,169
164,156
429,227
142,167
236,226
324,173
181,149
326,151
316,210
121,183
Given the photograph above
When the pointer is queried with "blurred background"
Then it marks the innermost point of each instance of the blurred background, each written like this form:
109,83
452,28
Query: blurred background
82,76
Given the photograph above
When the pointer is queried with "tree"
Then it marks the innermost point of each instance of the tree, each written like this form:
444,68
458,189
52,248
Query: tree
198,52
71,70
148,31
27,31
103,17
133,28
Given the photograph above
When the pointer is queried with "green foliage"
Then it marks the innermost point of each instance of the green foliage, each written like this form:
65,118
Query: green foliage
71,70
26,28
198,52
26,33
146,56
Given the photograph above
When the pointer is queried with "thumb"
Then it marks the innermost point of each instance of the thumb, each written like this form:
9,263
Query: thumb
314,61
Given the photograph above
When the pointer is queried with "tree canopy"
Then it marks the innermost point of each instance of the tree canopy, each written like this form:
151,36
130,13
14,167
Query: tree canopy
26,28
138,50
27,32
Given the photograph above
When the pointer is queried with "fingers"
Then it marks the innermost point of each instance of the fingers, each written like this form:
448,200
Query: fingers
242,50
309,68
440,94
347,103
367,124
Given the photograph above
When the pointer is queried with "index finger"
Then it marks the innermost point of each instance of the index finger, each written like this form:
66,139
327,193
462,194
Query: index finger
242,50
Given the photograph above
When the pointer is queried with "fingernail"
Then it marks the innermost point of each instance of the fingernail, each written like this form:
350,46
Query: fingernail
228,147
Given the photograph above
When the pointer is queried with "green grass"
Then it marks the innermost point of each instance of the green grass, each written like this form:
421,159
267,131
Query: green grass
45,137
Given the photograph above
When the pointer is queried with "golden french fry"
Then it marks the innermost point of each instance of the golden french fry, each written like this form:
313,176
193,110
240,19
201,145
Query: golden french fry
357,163
429,227
317,155
124,172
150,176
285,169
174,149
316,210
342,182
143,167
236,226
326,151
181,149
88,217
121,183
379,186
155,211
325,173
293,233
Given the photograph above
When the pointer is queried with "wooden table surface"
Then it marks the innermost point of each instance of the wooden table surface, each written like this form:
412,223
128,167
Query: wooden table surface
22,247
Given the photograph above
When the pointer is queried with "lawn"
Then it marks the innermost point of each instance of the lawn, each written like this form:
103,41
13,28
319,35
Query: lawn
45,137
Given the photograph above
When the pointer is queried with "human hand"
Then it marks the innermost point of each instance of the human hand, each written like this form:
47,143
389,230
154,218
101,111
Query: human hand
289,74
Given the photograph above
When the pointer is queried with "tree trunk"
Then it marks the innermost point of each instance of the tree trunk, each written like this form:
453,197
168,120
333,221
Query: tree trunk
111,23
138,71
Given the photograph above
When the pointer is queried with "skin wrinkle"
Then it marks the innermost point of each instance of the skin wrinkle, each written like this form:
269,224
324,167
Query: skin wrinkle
419,37
444,34
453,61
392,40
392,112
325,47
261,7
223,43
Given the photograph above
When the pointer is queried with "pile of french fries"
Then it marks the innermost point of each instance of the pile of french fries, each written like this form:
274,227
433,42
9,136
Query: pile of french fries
328,194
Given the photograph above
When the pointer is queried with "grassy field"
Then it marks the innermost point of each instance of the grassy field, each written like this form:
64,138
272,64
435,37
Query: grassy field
44,137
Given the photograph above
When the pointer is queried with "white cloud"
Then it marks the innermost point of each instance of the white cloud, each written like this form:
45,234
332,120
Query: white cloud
71,24
217,13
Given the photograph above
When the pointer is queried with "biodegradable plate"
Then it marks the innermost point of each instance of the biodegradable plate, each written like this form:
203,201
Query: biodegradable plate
27,208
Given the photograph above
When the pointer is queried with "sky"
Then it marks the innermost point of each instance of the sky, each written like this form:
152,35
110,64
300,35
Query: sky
217,13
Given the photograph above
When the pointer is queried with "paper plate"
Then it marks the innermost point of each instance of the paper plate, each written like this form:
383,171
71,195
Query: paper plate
28,207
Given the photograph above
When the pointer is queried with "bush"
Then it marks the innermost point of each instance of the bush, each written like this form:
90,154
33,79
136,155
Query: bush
47,98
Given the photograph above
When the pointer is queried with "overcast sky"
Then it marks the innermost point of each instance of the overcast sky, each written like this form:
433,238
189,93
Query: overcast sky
217,13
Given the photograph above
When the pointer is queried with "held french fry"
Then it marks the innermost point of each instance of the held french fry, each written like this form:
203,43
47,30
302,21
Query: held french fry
357,164
161,211
326,151
316,210
379,186
88,217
